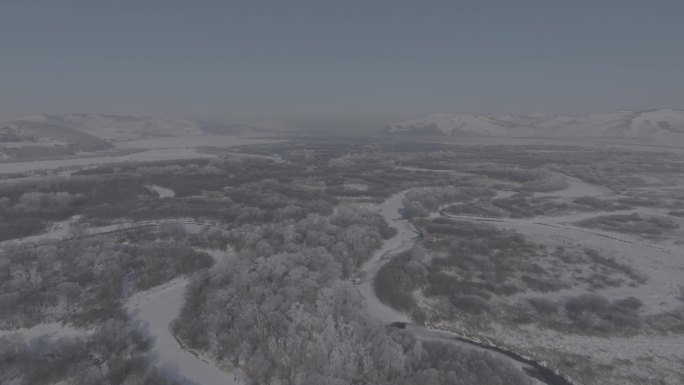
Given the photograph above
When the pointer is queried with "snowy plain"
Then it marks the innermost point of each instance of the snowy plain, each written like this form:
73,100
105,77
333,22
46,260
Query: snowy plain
148,150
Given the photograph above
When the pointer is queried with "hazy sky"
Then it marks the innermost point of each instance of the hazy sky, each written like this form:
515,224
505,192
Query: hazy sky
362,60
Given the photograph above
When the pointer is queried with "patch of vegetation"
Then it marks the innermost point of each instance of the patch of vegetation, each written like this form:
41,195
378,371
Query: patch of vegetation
83,281
524,205
419,202
631,223
465,270
116,353
584,314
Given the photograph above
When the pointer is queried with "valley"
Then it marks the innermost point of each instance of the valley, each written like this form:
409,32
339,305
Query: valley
547,264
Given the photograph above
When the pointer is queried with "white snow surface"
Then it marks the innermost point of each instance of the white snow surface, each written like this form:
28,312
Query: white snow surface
156,149
661,263
142,156
184,142
157,307
64,229
51,330
405,239
576,189
163,192
402,241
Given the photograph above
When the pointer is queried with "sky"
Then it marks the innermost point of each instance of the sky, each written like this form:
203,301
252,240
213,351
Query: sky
339,61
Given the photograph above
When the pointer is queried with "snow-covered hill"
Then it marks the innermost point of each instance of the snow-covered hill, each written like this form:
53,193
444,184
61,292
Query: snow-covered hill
451,124
116,128
633,124
122,128
21,139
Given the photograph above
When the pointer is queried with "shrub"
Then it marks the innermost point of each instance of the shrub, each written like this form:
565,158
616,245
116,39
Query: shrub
469,303
543,305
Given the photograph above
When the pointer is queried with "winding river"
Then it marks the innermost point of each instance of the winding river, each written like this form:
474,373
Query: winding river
661,285
406,237
158,306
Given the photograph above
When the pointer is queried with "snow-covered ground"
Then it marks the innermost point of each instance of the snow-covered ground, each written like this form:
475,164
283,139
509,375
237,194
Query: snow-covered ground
71,228
660,261
577,188
51,330
159,306
428,334
177,142
405,238
243,155
163,192
402,241
156,149
42,142
633,355
663,266
142,156
420,169
156,307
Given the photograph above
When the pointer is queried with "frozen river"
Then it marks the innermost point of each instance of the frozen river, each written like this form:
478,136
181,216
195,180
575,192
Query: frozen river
405,239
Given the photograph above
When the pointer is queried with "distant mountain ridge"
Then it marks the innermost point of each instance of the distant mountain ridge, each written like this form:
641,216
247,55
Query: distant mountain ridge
55,135
116,128
20,139
121,128
632,124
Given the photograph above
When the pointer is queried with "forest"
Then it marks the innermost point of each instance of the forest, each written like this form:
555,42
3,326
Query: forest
271,239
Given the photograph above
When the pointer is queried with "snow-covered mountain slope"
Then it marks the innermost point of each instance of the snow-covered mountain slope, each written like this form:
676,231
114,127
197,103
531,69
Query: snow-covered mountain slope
21,139
117,128
665,120
451,124
633,124
121,128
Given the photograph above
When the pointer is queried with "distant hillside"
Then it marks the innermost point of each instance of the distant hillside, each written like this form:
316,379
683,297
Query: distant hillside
121,128
264,127
116,128
21,139
633,124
